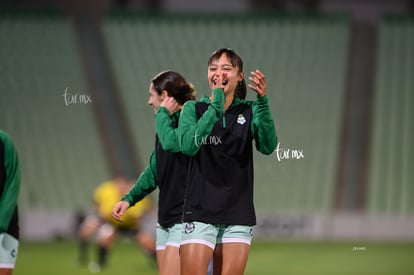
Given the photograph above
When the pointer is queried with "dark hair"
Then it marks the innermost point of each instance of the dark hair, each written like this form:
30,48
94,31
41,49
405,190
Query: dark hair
175,85
235,61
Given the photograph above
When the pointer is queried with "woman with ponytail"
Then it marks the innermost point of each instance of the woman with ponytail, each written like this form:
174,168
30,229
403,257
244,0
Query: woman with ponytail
167,169
217,133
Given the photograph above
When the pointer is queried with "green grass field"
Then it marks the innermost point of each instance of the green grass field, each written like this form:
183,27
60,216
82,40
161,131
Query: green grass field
319,258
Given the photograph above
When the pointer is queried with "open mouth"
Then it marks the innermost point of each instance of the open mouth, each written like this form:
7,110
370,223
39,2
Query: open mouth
224,82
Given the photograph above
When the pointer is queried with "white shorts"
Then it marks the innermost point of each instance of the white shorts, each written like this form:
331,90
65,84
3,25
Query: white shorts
212,234
8,251
168,236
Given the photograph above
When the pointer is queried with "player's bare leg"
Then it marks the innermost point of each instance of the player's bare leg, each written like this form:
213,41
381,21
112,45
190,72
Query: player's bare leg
88,227
195,258
170,264
147,242
107,234
230,258
160,259
86,231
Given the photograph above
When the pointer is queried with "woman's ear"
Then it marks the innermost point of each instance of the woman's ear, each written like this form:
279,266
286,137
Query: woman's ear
241,76
164,94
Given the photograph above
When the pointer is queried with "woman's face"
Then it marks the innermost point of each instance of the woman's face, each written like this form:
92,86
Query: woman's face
221,74
154,99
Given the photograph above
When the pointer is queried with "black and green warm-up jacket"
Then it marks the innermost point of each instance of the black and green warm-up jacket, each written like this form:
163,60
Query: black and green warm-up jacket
167,170
220,177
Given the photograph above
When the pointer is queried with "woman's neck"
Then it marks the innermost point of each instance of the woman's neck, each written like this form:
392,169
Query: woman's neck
229,100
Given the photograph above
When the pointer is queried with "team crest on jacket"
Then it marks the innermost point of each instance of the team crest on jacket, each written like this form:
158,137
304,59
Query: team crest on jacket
189,227
241,119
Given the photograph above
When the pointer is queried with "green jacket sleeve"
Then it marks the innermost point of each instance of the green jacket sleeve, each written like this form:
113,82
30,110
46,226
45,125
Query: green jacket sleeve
146,183
9,196
167,135
191,131
263,127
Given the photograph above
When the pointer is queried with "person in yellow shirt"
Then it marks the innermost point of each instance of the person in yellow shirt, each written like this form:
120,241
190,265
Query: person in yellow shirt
139,222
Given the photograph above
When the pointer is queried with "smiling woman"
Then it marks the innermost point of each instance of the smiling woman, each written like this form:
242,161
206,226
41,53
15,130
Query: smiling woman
231,67
217,131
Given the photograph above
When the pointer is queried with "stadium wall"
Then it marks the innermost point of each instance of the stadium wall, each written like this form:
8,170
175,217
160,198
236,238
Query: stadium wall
46,225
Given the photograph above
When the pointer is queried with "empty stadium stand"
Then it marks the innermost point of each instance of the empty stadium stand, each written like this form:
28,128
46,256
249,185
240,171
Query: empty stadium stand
60,152
391,190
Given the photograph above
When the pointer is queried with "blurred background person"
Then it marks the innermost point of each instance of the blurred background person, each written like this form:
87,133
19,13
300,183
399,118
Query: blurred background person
139,223
9,193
